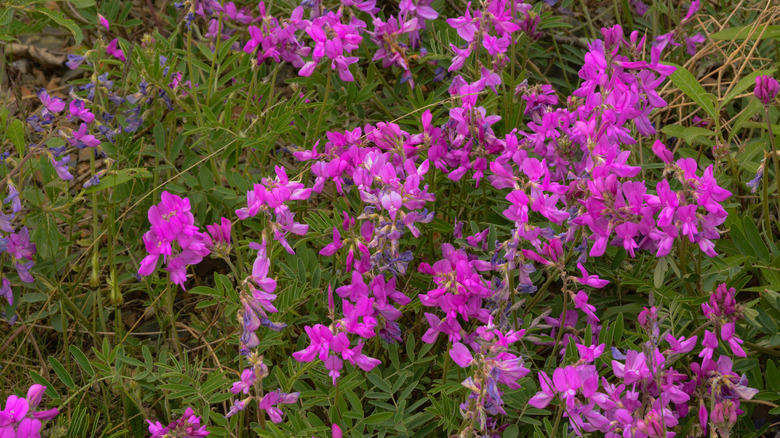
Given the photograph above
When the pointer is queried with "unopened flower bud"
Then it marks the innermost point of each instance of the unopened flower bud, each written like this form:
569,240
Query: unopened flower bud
766,89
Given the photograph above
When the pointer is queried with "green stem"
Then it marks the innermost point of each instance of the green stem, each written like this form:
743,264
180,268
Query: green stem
557,421
765,191
214,60
95,278
775,161
446,364
336,403
169,295
191,71
588,19
322,108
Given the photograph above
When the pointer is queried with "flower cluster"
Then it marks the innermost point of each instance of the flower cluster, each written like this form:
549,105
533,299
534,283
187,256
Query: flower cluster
174,236
331,344
16,245
187,426
669,392
493,364
20,419
270,197
383,167
490,27
678,34
766,89
250,381
722,309
257,298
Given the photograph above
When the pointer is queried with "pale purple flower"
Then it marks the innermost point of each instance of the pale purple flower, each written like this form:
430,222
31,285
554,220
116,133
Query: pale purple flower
7,292
61,167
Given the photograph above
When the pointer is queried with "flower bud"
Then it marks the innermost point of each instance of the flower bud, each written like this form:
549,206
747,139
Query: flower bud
766,89
94,278
34,395
46,415
115,295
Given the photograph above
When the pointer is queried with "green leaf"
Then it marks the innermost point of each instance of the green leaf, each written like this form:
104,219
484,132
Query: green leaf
179,390
16,135
47,238
378,418
63,21
743,32
6,15
745,115
687,83
379,382
82,3
159,136
753,236
745,83
61,372
205,290
131,361
39,379
512,431
121,176
82,360
673,130
772,376
659,274
34,297
689,134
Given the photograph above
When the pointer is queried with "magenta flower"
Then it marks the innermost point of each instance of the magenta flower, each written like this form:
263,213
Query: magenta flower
461,355
245,382
103,22
692,10
77,110
691,42
710,344
581,303
114,50
187,426
727,334
234,13
591,353
590,280
547,393
334,246
681,345
270,400
19,418
634,369
50,103
567,383
218,238
82,138
174,236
